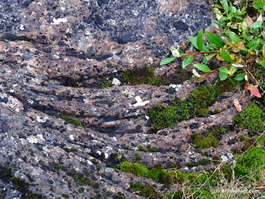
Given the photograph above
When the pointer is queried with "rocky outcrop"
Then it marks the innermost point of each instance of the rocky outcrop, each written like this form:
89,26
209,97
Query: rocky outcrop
61,133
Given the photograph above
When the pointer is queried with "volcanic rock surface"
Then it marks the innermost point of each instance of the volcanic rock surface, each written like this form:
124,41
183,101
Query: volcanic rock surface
52,54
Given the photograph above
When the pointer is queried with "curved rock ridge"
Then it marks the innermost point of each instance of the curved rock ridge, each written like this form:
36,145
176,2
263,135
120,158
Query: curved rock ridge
52,55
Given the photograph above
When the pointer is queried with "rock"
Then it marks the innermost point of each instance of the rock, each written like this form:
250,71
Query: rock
61,133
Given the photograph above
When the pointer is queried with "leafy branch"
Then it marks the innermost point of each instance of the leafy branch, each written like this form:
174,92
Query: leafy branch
239,44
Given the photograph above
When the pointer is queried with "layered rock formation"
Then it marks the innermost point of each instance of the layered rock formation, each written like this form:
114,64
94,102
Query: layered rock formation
61,133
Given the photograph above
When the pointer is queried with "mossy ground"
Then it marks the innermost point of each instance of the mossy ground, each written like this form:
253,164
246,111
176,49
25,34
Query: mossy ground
248,169
6,175
252,118
70,119
210,138
196,105
147,75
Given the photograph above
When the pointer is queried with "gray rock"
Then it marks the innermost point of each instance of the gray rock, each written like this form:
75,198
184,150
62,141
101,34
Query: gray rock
60,132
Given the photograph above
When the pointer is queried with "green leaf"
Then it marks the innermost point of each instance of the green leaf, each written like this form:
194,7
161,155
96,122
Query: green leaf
225,55
200,40
263,51
224,70
258,4
214,39
234,37
193,40
263,63
210,56
222,76
240,77
187,61
256,24
252,45
202,68
167,60
226,6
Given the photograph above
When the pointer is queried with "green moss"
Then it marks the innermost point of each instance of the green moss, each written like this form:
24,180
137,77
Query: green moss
70,119
66,196
29,177
119,196
216,159
81,190
203,161
71,149
145,75
242,138
56,167
175,195
105,83
167,116
81,179
178,77
218,132
251,118
142,148
157,173
253,159
134,168
138,157
204,142
203,97
23,187
146,190
18,183
196,105
228,85
149,148
5,174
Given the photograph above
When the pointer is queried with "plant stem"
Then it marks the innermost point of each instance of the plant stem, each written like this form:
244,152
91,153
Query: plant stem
216,69
202,52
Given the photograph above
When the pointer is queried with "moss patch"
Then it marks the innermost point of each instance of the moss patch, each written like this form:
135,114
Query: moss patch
146,190
251,118
251,160
161,175
203,161
148,149
145,75
196,105
204,142
167,116
105,83
209,138
70,119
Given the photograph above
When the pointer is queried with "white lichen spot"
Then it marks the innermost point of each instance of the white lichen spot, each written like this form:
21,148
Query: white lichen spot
116,81
71,137
151,60
42,120
59,20
21,27
230,155
224,158
89,162
176,87
35,139
140,102
130,60
46,149
30,101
